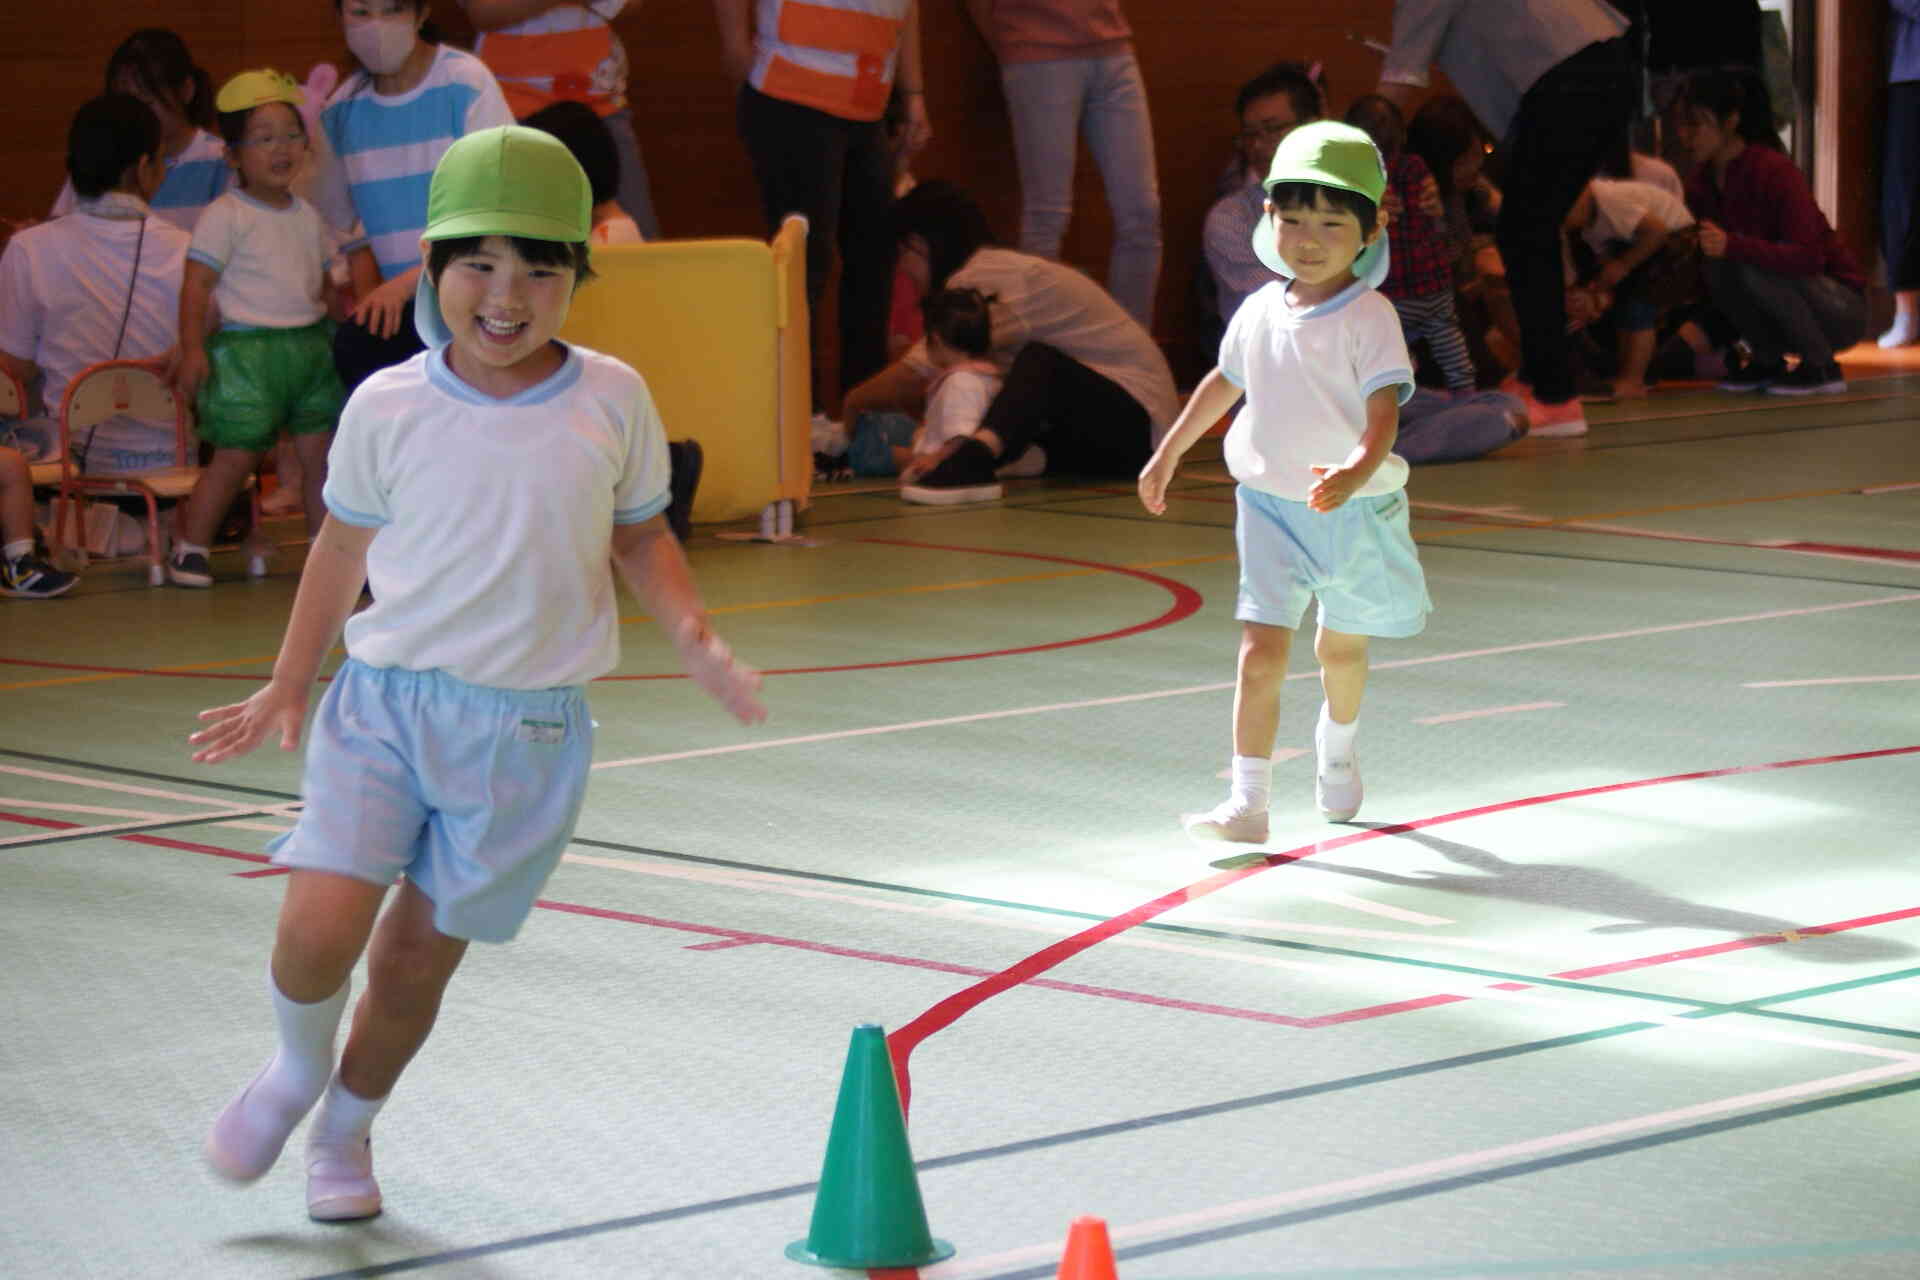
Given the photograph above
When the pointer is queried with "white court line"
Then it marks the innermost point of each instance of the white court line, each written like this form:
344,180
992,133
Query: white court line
1874,489
151,815
1526,646
1452,716
101,784
1262,1206
1798,684
114,828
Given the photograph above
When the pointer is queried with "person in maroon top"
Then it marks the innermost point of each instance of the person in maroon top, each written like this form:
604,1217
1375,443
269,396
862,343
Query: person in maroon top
1773,263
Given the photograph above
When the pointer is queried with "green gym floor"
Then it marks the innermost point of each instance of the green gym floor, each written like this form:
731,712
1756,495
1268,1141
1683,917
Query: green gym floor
1617,973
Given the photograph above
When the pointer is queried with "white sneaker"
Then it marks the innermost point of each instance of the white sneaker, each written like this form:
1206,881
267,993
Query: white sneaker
1337,790
1904,332
247,1137
1227,821
340,1182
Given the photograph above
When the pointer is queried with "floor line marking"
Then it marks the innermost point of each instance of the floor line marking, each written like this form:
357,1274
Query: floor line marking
1801,684
121,828
1454,716
123,788
146,815
1905,597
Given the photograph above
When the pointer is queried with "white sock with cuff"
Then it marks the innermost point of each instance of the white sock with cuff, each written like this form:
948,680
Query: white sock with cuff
248,1135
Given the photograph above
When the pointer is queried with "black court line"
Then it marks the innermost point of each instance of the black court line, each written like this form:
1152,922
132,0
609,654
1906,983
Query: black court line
1160,1120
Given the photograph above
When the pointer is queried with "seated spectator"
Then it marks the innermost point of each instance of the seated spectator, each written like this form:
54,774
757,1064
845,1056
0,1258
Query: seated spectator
1774,266
959,341
1083,379
1646,249
102,283
154,65
586,135
1419,281
1268,106
1449,138
24,572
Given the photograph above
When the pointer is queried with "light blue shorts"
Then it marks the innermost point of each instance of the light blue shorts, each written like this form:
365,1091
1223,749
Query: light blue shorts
1358,560
470,792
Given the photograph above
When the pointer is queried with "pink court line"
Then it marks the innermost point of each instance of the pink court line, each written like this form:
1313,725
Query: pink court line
1452,716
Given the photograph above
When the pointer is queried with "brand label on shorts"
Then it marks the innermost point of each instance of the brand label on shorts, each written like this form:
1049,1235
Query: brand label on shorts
542,732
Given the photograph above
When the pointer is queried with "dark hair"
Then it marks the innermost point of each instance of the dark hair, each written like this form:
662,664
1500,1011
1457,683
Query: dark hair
1307,195
961,318
157,60
1725,91
1380,119
233,124
109,134
537,253
586,135
1291,78
947,219
1441,131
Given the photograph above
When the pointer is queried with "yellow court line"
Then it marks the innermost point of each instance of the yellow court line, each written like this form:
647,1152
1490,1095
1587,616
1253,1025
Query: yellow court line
97,677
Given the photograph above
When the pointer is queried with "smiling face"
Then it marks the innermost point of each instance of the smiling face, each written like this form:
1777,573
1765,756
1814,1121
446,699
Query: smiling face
503,312
271,150
1319,245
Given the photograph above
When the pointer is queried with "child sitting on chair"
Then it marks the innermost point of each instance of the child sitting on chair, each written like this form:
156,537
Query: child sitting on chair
260,252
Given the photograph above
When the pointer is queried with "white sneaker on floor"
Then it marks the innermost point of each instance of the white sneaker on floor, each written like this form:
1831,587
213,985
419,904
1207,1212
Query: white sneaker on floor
1337,790
340,1182
1227,821
247,1136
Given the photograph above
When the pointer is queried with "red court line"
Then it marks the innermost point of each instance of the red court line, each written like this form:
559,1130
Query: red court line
945,1013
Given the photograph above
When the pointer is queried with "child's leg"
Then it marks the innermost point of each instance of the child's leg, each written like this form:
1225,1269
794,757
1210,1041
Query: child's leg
1343,672
219,484
1343,678
1256,691
16,497
311,449
1636,353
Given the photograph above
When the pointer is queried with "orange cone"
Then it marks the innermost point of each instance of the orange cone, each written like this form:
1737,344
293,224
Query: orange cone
1089,1254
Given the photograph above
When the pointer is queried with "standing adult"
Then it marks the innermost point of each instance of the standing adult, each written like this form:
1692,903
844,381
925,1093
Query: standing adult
1900,175
1557,84
814,79
1068,68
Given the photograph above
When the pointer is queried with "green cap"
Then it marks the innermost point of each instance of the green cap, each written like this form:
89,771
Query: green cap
1332,155
505,181
252,89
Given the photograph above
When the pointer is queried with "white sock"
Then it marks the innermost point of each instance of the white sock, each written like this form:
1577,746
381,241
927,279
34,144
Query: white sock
249,1133
345,1117
181,547
1333,739
17,548
1252,782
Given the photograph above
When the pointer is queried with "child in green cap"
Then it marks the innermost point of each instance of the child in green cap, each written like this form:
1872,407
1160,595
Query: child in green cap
260,256
1322,509
485,490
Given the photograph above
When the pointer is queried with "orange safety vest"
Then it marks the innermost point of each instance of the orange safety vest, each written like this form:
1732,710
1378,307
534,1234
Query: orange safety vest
536,70
836,56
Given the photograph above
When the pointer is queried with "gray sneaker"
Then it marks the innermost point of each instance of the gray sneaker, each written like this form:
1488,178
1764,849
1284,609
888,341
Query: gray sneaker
340,1182
31,578
1337,790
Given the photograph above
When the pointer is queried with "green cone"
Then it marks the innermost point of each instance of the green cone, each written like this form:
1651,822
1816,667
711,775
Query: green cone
867,1212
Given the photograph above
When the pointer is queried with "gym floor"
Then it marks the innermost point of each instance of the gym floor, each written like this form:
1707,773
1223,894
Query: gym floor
1617,972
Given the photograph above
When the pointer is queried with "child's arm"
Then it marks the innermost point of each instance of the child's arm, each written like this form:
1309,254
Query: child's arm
1338,483
329,588
1648,236
1211,400
196,301
654,568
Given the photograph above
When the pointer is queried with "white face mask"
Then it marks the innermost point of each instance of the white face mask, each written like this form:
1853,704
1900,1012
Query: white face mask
382,44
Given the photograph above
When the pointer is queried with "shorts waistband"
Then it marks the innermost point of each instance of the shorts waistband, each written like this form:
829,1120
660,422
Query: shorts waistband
437,683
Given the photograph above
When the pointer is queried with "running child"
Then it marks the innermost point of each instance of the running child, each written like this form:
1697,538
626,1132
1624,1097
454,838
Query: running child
453,745
1322,512
260,254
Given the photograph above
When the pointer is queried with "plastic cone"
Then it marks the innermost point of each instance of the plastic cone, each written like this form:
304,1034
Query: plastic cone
1089,1254
867,1212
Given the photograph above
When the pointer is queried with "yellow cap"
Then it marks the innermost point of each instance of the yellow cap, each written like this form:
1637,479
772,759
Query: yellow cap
252,89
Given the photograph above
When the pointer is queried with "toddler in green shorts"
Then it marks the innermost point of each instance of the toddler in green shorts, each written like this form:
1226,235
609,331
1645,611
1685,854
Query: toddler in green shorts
259,256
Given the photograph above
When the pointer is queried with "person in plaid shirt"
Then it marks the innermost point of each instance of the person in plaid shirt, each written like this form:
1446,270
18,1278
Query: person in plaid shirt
1419,279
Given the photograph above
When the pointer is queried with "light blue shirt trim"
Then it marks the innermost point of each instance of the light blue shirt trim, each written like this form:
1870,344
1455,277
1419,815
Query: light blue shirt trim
645,511
358,518
1332,304
1388,378
1230,376
206,259
558,383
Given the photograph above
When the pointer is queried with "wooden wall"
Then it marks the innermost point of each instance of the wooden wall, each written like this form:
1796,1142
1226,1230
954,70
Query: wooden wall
1193,60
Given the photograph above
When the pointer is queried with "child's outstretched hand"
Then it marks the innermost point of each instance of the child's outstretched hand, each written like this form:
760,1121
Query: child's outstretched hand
1334,486
1154,479
239,727
734,685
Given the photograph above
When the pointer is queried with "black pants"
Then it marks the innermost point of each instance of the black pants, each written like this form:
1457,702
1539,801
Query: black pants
1565,124
357,353
1808,316
1900,187
838,174
1088,423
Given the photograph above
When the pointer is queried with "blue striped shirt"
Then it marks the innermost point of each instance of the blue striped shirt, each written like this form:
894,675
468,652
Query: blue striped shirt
195,179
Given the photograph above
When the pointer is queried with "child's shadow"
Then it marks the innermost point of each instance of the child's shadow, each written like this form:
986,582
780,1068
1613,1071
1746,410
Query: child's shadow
1579,888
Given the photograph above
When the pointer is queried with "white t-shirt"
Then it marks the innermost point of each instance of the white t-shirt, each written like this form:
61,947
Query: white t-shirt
271,261
1654,170
492,561
1619,205
1036,300
956,405
1307,372
64,286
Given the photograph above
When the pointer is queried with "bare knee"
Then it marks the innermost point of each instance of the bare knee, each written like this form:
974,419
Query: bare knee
1263,652
1340,651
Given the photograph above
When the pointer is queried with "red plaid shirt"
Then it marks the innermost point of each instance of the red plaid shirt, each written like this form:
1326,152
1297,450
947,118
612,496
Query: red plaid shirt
1419,251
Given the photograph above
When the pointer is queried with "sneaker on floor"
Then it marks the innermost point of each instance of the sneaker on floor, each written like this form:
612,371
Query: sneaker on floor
340,1182
1227,821
32,578
964,475
1754,373
247,1136
189,569
1555,421
1905,331
1337,790
1810,380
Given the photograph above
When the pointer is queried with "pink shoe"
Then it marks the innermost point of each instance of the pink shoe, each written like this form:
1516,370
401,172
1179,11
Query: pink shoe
1555,421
